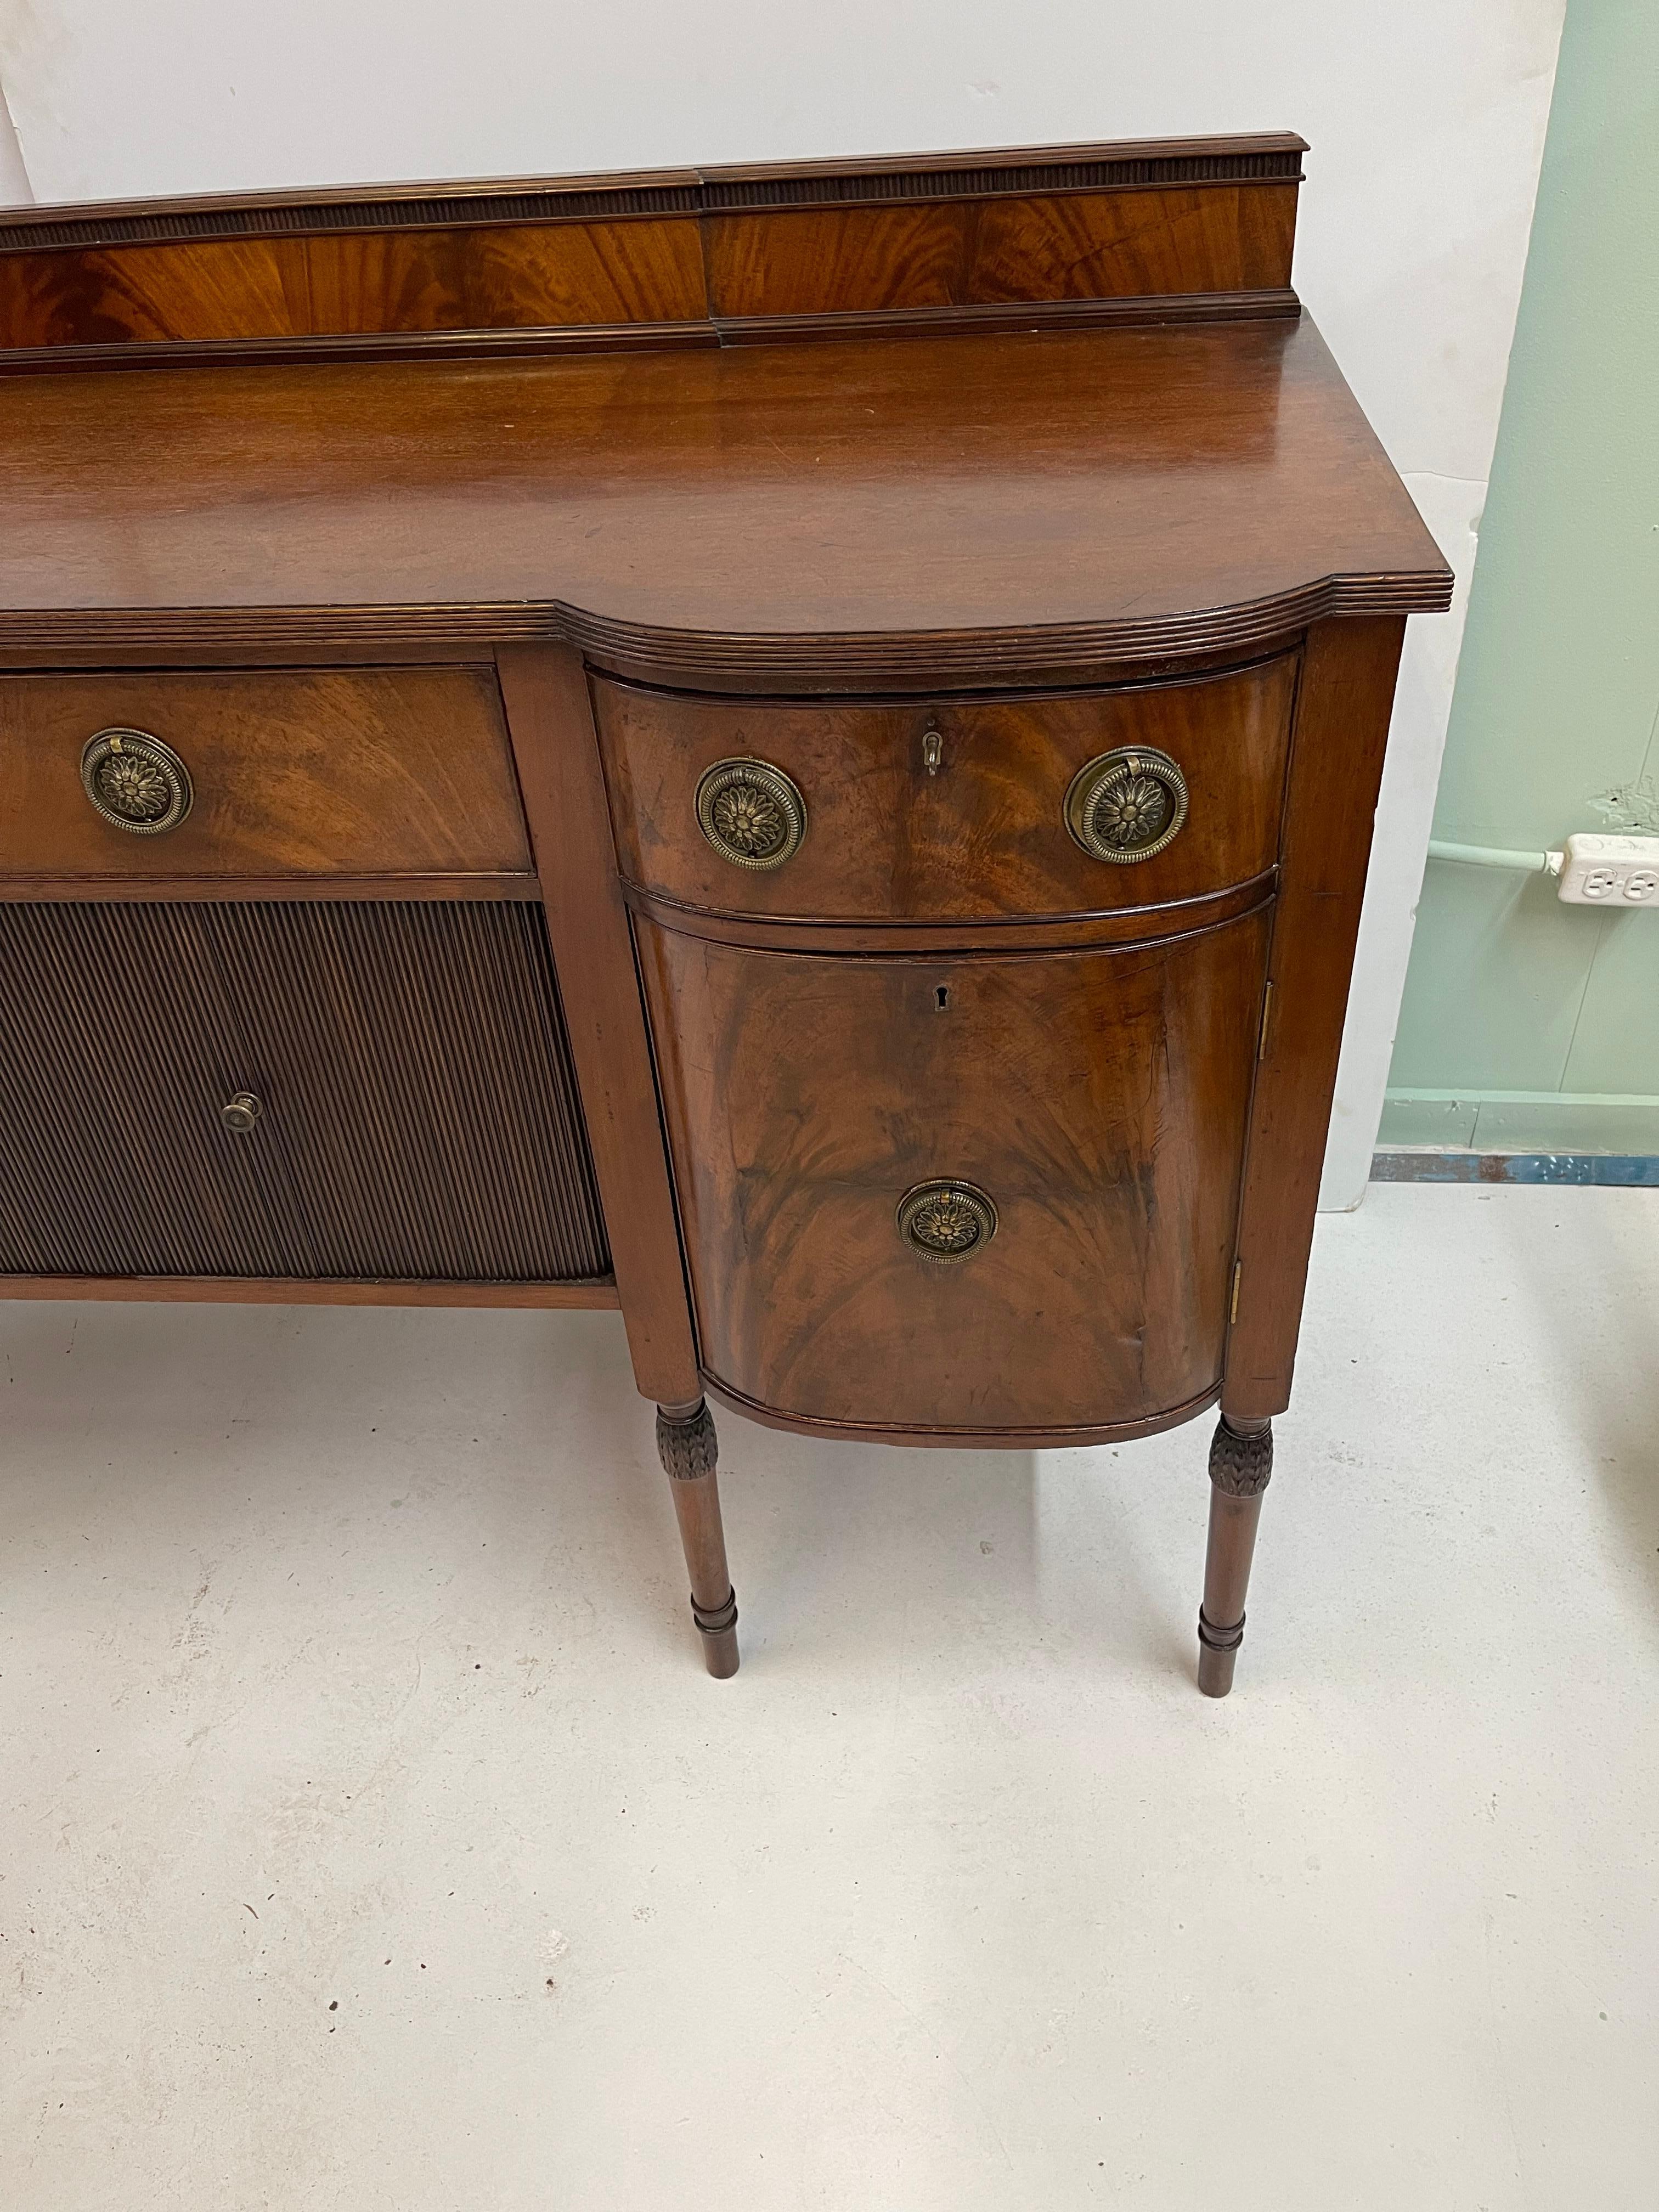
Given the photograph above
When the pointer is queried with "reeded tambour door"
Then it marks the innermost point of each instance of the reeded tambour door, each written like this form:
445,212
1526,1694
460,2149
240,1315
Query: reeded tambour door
119,1052
971,1194
308,1089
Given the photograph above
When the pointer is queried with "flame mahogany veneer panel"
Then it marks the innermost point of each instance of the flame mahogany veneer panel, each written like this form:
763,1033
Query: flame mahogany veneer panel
1076,247
1052,226
1101,1098
306,772
399,280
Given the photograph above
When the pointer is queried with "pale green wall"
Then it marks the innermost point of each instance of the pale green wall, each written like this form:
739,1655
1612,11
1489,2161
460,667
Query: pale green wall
1526,1021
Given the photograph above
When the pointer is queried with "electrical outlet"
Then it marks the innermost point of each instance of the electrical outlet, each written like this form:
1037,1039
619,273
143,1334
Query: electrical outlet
1622,871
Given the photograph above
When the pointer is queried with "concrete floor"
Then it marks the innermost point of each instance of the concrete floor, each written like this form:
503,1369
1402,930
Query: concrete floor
370,1837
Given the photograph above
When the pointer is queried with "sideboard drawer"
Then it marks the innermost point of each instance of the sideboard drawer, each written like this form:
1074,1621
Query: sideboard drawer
1094,1105
288,771
951,809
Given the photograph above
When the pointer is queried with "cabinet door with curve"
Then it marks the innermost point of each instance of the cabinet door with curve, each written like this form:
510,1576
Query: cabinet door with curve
977,1195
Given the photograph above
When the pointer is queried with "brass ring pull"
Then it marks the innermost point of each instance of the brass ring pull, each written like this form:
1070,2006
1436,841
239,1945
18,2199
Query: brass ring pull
240,1112
1127,805
946,1220
751,812
136,782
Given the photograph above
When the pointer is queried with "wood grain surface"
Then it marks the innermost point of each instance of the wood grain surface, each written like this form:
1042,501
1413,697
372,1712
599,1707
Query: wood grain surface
659,253
395,281
1341,732
1100,1098
846,515
551,723
1212,241
1129,925
362,772
519,886
981,836
1070,247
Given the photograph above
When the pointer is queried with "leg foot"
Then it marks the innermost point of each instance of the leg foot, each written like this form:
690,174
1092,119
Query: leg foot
1240,1465
687,1447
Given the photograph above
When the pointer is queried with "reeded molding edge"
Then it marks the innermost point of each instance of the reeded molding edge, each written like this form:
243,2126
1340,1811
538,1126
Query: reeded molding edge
1265,157
856,659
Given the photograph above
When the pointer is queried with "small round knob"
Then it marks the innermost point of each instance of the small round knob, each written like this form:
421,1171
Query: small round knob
1127,805
136,782
239,1113
946,1220
751,814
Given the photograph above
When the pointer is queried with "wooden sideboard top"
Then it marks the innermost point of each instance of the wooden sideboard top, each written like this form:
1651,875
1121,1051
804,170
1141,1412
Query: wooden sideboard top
955,507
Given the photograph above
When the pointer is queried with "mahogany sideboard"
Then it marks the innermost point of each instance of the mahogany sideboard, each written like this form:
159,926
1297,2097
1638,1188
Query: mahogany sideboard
792,749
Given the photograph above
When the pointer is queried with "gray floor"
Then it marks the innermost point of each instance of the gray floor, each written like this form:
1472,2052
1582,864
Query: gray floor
372,1837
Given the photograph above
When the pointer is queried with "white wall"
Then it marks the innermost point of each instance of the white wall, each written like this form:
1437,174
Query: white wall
1426,119
13,177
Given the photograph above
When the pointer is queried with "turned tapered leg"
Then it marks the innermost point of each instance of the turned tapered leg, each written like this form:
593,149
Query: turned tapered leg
688,1448
1240,1465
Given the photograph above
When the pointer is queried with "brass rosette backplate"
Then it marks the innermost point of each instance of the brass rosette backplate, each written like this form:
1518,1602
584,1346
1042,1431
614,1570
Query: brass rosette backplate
751,812
1127,805
136,782
946,1220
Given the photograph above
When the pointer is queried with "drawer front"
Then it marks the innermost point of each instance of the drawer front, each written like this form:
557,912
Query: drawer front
952,810
414,1114
338,772
1096,1102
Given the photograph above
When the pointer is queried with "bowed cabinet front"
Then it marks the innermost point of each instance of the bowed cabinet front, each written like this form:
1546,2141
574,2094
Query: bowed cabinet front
1072,1124
955,1004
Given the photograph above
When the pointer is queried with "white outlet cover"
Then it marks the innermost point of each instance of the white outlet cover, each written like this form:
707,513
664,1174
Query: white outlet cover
1611,871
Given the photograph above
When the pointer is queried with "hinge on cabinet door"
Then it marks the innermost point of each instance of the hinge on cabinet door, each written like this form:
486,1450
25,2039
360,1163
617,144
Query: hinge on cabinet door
1238,1270
1267,1013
